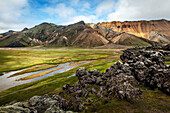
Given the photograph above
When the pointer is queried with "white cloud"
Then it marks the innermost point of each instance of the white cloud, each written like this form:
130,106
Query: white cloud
86,19
11,12
69,15
61,10
105,7
4,27
140,10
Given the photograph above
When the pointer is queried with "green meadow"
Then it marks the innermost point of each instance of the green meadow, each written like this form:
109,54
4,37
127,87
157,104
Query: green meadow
19,59
153,100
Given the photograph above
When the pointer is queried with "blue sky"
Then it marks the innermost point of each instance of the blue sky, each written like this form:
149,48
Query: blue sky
70,11
17,14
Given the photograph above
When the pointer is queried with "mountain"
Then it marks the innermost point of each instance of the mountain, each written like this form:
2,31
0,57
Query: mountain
77,35
128,39
158,37
89,38
143,29
122,38
3,35
47,34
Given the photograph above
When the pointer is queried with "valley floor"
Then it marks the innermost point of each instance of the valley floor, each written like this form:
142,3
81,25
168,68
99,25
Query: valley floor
39,58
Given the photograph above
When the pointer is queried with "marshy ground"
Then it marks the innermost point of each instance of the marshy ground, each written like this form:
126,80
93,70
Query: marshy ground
36,59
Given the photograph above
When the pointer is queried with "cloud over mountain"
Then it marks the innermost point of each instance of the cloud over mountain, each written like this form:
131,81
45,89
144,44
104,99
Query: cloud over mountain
140,10
17,14
11,14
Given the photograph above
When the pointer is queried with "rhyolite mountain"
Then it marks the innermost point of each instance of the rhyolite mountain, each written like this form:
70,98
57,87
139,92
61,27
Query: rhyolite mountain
154,30
83,35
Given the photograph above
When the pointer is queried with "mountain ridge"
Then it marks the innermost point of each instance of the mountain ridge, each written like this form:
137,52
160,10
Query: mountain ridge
80,34
141,28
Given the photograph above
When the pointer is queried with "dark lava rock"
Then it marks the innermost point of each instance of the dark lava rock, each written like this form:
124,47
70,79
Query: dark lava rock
38,104
148,68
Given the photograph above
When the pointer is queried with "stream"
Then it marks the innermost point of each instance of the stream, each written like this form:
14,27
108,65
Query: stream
6,83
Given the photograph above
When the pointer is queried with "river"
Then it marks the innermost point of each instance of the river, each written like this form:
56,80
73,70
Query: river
6,83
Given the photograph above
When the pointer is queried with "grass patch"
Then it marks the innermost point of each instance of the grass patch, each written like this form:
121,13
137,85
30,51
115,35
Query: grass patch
103,66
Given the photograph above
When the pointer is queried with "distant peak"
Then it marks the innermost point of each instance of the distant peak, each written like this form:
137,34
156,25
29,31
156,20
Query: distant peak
81,22
78,23
45,23
10,31
25,29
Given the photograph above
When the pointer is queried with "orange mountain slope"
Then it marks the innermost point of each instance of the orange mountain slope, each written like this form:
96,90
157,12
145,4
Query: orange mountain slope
143,29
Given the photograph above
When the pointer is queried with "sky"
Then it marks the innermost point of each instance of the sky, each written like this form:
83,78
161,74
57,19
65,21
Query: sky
18,14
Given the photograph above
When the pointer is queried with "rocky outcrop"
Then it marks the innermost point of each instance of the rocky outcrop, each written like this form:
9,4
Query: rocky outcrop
37,104
140,28
116,82
148,68
141,66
